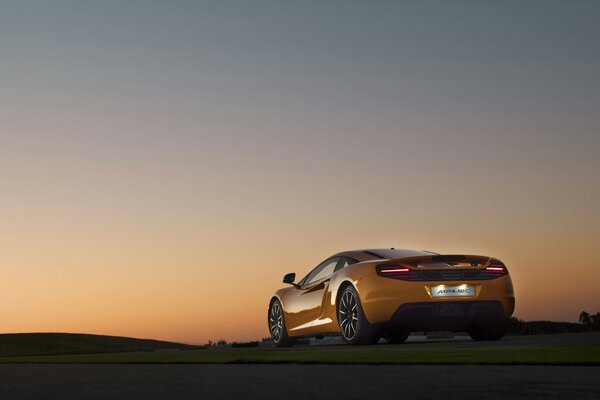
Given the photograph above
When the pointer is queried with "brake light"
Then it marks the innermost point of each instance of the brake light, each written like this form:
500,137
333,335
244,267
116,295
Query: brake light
397,272
496,269
393,270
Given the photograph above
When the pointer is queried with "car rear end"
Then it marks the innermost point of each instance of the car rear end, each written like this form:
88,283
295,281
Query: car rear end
438,292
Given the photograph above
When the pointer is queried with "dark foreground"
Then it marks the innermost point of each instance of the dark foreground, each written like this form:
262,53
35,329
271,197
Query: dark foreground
582,349
294,381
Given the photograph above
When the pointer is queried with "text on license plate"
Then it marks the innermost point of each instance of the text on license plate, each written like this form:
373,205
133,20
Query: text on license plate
452,291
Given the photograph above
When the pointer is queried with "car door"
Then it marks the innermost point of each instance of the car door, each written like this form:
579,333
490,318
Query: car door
304,307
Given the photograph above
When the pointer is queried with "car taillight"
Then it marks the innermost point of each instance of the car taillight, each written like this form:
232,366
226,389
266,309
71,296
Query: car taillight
393,270
496,269
397,272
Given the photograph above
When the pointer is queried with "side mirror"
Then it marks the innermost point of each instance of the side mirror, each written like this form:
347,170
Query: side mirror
290,278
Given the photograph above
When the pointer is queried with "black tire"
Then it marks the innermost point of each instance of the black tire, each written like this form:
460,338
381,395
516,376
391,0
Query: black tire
277,328
493,331
396,337
354,327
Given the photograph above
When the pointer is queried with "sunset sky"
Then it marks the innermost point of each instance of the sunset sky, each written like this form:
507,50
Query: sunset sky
164,163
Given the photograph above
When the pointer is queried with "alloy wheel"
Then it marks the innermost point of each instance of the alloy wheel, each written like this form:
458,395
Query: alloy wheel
276,322
348,315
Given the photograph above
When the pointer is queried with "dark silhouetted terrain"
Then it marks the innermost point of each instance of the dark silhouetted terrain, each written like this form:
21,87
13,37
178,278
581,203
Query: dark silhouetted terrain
21,344
519,327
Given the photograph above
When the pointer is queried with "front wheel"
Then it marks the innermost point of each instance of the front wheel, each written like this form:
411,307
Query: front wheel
277,328
353,323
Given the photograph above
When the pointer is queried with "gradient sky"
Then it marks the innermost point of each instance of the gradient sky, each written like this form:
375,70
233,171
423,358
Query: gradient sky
164,163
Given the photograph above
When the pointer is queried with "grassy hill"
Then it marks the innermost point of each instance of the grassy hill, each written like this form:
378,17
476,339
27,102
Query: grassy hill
21,344
519,327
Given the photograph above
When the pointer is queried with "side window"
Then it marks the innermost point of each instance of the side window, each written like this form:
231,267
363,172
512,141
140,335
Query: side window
322,271
345,262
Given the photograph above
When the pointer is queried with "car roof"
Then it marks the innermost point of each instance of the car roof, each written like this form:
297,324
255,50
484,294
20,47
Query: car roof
383,253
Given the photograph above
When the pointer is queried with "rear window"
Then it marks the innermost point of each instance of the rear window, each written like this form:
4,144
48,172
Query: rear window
397,253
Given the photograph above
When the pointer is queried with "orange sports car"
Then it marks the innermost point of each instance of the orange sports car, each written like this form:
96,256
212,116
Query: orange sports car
368,294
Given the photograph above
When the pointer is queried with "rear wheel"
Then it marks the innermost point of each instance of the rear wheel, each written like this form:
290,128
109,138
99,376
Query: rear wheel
488,332
277,328
354,326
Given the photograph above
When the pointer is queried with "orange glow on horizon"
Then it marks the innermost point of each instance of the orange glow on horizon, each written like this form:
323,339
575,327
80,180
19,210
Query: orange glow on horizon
221,294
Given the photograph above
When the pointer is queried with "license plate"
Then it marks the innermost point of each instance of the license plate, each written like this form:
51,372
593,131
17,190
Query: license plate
452,291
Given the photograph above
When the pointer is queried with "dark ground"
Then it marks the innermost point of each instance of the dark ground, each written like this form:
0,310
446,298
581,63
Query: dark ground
508,341
297,381
294,381
466,342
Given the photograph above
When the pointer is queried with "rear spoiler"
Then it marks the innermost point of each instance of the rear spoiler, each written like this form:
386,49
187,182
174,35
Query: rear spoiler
453,259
